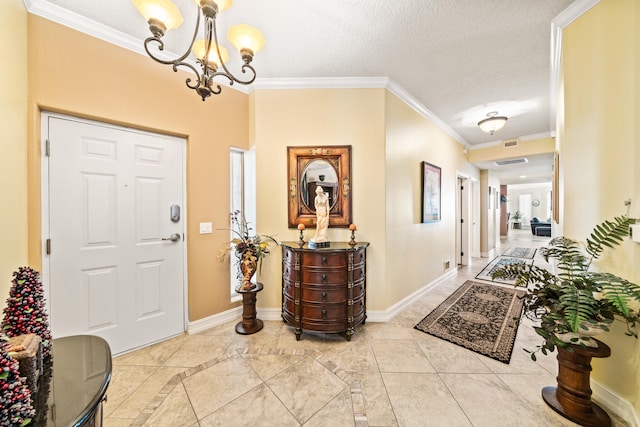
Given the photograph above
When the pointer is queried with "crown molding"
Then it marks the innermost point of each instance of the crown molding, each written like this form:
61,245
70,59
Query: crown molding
558,24
100,31
321,83
398,91
360,83
84,25
95,29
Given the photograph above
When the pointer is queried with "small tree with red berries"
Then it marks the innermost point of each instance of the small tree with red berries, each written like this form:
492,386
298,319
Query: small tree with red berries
25,311
16,408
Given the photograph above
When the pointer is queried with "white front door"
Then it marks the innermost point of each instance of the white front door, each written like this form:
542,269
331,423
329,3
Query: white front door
112,269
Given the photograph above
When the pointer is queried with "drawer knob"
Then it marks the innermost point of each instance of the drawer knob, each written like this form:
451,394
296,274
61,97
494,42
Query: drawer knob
324,260
324,313
324,296
324,278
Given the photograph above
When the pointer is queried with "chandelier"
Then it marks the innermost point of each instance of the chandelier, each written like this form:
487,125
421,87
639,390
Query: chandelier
163,15
493,122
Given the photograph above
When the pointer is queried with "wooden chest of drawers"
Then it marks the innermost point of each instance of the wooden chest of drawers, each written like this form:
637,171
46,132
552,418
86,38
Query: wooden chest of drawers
324,289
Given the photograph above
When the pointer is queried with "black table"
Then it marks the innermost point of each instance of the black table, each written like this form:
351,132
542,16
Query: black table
74,385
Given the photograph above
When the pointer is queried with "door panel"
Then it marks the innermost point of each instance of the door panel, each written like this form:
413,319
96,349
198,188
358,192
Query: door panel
110,271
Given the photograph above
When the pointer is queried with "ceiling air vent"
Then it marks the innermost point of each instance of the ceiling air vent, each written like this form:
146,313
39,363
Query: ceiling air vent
510,143
511,161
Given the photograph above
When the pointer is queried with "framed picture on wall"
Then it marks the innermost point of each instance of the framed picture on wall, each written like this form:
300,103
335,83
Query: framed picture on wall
431,192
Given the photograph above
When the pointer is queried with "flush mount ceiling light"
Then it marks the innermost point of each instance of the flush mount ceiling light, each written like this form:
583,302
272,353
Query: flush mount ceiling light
493,122
163,15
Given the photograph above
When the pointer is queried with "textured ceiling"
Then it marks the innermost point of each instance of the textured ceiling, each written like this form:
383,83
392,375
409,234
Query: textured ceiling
459,59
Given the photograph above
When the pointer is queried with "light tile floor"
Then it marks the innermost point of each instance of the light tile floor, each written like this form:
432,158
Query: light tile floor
388,375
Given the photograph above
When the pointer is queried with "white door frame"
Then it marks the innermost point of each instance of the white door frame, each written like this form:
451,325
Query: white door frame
44,210
463,219
475,218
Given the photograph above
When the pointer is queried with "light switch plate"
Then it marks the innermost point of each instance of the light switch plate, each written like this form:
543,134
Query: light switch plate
635,232
206,228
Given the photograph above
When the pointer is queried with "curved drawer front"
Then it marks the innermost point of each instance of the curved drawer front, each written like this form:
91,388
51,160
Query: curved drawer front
333,326
324,313
324,277
358,307
288,256
288,306
288,271
314,294
288,288
324,259
359,257
359,274
358,291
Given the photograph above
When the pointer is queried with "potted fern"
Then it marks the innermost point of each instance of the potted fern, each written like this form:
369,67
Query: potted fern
574,299
569,305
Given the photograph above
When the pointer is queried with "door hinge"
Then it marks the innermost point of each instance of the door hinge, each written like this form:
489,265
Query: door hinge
48,246
47,147
461,253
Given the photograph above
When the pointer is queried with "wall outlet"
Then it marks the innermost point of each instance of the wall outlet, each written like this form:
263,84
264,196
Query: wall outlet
447,265
206,228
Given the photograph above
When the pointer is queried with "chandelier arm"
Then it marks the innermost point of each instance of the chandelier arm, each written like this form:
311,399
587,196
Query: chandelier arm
210,84
228,74
195,71
233,79
160,46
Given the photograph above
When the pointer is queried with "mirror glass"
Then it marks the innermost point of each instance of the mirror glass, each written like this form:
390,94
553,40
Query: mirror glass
318,173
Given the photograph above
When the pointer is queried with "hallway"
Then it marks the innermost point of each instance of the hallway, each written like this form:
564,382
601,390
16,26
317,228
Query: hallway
388,375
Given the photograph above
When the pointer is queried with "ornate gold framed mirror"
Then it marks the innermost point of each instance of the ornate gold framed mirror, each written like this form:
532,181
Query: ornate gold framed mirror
328,167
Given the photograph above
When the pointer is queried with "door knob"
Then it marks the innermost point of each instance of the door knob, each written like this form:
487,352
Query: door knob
174,237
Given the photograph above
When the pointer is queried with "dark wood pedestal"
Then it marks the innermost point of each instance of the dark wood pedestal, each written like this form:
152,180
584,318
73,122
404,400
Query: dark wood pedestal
250,323
572,397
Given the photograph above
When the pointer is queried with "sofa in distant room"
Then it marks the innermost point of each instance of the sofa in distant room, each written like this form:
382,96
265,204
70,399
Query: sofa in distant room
539,228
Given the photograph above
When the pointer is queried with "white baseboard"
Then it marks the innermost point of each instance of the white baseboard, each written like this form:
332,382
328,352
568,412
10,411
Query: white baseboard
614,403
215,320
270,313
276,313
490,254
400,306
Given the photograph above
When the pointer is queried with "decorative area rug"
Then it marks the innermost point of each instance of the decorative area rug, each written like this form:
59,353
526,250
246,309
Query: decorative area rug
520,252
478,316
497,264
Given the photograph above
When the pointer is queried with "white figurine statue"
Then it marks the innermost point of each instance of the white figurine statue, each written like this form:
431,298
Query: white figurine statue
322,218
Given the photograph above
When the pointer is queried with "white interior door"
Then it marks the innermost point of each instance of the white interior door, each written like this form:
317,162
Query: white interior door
112,271
463,222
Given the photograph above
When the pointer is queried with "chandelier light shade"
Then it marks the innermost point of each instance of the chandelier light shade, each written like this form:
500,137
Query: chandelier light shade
163,15
493,122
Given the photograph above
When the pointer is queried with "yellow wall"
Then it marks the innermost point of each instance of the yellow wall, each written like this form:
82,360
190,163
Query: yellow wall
321,117
13,147
76,74
524,148
416,252
599,157
388,141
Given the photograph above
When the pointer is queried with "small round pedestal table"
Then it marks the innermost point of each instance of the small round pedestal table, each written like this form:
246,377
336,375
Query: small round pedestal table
250,323
572,397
